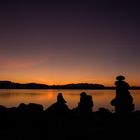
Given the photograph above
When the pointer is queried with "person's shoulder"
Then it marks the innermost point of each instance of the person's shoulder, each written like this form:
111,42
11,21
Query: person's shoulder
126,84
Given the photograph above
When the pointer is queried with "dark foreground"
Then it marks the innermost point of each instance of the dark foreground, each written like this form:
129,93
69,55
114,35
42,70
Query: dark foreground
37,124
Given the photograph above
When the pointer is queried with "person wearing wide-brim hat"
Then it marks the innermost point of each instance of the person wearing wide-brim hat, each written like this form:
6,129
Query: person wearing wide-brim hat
120,78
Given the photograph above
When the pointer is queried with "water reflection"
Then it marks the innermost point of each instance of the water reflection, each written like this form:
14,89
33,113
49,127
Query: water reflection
101,98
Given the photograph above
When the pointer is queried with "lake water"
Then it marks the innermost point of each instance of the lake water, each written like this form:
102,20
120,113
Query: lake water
101,98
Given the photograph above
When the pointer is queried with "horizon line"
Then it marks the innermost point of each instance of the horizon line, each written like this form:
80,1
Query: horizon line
63,84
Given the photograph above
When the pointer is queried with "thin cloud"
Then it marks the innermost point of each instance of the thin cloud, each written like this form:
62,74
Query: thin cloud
20,63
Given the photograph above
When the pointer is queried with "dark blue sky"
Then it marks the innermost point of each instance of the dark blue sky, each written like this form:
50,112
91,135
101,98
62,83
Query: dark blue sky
74,41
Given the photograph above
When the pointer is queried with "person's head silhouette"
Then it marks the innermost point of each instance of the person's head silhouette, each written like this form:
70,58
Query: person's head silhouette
120,78
60,98
83,94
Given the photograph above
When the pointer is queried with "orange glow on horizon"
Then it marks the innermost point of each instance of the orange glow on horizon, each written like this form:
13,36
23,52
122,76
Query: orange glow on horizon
64,81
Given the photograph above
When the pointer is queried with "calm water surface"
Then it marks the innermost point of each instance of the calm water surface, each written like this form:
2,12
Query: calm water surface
101,98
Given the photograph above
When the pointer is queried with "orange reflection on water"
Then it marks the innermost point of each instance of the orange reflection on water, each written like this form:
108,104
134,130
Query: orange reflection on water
101,98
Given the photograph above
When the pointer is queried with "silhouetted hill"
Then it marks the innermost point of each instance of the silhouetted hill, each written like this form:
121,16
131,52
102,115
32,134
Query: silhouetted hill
12,85
78,86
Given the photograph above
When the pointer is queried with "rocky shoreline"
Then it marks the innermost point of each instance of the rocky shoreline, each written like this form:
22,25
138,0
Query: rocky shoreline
33,122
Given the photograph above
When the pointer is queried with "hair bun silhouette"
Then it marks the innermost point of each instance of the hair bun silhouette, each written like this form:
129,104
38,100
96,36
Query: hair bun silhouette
120,78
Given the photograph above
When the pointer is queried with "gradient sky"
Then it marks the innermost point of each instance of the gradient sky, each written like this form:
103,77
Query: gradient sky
69,42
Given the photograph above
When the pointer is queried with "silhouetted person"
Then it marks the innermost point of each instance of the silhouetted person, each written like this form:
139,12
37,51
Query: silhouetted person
121,85
82,103
85,105
123,101
60,98
59,107
89,103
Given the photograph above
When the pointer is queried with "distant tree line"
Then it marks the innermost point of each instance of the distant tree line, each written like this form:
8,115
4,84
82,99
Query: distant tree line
12,85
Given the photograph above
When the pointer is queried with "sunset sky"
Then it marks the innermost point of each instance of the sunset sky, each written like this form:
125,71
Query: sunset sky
61,42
